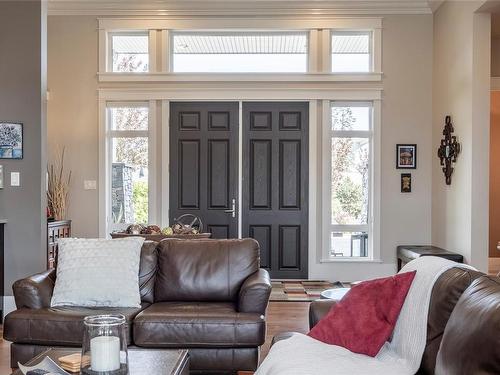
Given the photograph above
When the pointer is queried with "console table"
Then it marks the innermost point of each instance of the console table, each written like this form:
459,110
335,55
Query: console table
2,223
56,230
406,253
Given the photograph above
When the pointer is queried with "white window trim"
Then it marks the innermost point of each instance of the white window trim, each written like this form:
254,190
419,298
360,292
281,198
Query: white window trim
105,159
170,52
316,97
374,219
319,57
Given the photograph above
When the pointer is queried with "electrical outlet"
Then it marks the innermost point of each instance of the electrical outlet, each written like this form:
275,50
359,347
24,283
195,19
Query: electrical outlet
15,179
89,184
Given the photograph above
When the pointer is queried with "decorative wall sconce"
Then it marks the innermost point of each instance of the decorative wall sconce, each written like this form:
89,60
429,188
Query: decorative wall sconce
448,150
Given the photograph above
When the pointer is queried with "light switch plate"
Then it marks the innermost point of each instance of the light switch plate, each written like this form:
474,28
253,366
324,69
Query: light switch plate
1,176
15,179
89,184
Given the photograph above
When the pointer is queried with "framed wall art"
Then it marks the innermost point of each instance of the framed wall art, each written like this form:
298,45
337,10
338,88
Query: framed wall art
11,140
405,182
406,156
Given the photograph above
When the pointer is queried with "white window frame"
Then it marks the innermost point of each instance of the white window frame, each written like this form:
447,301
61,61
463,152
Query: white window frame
106,50
319,41
373,225
106,159
172,33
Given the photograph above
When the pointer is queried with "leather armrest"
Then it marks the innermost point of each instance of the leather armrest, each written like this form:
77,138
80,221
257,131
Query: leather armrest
318,309
254,293
34,292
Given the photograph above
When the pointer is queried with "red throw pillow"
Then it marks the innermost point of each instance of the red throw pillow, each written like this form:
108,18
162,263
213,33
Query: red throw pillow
365,318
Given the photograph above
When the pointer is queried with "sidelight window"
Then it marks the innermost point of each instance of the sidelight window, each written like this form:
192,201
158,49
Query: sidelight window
350,179
128,168
240,52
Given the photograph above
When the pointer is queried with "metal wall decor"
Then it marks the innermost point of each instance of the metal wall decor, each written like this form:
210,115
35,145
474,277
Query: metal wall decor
448,150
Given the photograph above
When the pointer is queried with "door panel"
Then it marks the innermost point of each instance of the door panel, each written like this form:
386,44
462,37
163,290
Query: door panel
204,164
275,184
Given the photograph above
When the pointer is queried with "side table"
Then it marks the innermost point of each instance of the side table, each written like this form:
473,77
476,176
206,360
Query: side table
407,253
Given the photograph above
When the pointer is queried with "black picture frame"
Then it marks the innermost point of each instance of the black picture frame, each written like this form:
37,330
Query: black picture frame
406,156
405,182
7,149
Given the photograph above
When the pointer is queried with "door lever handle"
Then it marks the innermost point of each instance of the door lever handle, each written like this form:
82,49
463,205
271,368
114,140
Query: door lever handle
232,211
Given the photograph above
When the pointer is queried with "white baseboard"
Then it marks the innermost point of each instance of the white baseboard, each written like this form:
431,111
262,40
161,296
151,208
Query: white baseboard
8,305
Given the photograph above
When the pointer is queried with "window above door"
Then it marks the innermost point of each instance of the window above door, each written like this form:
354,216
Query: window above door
202,50
239,52
128,52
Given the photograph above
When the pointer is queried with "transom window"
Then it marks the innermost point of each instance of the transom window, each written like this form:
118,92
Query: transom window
351,150
351,51
240,52
129,52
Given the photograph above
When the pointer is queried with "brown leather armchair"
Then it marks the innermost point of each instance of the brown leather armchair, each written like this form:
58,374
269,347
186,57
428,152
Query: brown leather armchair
209,296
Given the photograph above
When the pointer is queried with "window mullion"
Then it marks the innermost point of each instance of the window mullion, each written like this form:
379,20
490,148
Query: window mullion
351,134
128,133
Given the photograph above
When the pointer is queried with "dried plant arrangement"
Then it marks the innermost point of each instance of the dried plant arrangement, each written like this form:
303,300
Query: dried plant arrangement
58,188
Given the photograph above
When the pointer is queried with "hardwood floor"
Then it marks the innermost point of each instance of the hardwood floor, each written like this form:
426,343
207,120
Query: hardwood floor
494,266
281,317
4,354
285,317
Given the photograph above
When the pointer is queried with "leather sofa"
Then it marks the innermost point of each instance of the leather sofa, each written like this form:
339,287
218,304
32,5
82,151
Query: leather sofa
209,296
463,326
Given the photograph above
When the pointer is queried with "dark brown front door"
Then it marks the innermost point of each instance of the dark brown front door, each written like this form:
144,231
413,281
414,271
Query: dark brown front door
275,184
204,164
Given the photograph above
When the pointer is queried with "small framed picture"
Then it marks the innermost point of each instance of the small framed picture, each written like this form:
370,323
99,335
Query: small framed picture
11,140
405,182
406,156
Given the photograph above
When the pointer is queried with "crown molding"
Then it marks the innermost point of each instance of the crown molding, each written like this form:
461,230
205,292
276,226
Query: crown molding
237,8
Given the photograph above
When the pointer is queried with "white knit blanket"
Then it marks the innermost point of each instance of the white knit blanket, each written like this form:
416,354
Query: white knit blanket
303,355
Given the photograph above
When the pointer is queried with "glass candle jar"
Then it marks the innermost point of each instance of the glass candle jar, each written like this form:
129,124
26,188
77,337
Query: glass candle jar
104,347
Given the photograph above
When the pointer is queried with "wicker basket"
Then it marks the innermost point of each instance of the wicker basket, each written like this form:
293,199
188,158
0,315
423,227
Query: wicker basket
159,237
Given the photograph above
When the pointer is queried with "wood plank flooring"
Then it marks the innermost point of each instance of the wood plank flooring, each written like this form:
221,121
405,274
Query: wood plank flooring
4,354
281,317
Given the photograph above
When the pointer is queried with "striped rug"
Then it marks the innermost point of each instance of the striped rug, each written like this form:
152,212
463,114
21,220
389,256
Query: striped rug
301,290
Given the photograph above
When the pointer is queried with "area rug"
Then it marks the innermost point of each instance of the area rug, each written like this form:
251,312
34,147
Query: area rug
301,290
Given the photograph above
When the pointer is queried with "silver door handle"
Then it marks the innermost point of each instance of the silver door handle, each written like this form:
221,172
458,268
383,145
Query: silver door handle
232,211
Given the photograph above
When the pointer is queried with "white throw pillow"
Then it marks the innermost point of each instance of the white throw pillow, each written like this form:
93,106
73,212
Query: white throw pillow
98,272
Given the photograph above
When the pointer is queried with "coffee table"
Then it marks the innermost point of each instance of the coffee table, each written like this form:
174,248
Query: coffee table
335,293
141,361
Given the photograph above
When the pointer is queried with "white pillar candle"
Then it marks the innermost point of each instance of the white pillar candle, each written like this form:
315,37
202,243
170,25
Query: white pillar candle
105,353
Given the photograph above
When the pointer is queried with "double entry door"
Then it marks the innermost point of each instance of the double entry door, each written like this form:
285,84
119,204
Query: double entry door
211,163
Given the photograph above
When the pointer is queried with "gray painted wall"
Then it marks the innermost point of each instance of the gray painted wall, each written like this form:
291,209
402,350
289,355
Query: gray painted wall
22,98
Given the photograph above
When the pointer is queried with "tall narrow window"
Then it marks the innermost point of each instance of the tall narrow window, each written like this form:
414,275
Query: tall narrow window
351,51
240,52
351,149
129,52
129,163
